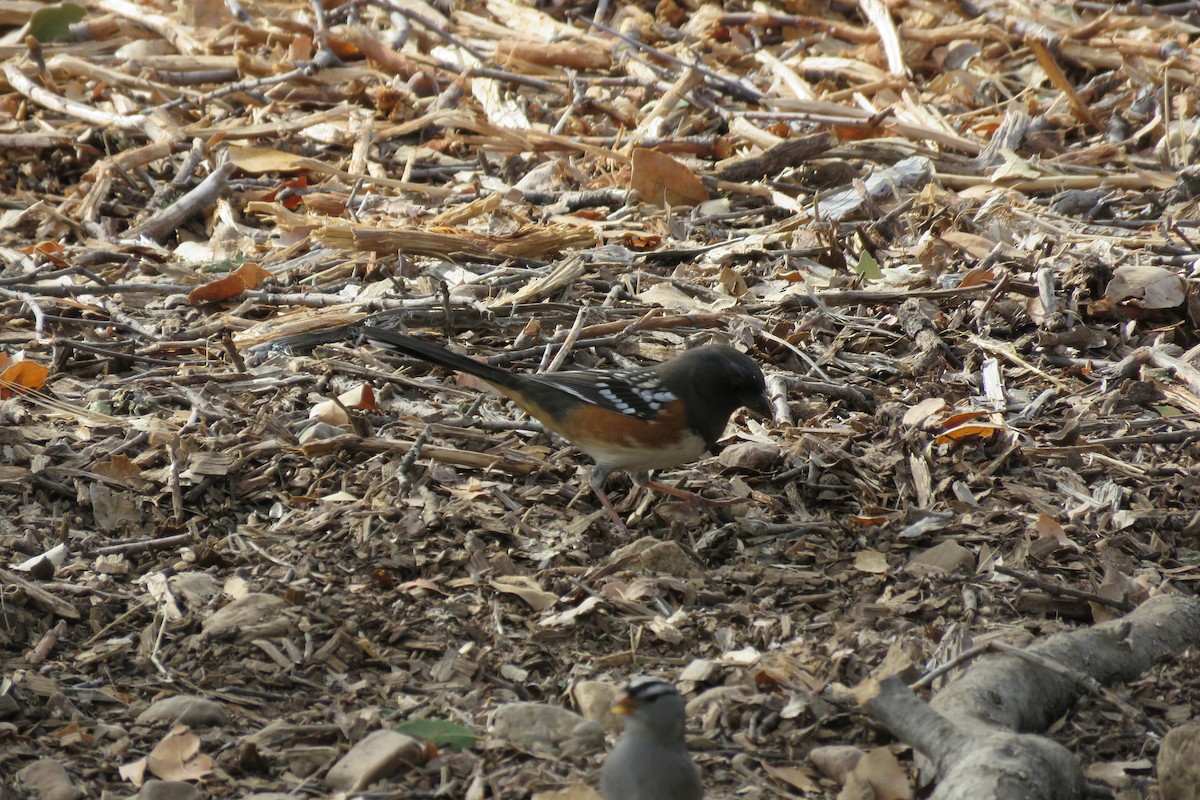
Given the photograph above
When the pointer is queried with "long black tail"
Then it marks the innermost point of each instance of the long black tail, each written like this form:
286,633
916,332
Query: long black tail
436,354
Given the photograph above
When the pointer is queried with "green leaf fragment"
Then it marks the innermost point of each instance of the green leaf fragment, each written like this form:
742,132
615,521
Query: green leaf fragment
868,267
446,735
54,22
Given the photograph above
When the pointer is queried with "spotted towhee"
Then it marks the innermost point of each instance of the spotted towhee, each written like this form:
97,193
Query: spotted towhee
635,420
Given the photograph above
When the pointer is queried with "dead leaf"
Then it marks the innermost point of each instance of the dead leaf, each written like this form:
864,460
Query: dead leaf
871,561
972,244
884,774
568,617
975,277
361,397
118,468
421,585
794,777
1145,287
527,589
257,160
330,413
954,420
971,430
134,771
247,276
663,181
918,415
178,758
576,791
22,376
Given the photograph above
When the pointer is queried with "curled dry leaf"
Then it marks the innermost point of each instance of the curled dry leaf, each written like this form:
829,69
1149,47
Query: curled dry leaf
178,758
663,181
970,430
1145,287
526,589
247,276
919,415
883,773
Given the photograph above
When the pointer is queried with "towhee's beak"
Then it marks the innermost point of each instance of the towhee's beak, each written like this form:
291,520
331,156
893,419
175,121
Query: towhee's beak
760,405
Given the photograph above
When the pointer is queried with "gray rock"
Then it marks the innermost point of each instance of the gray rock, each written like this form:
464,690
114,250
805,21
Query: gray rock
539,725
595,699
948,557
168,790
47,779
190,710
756,456
378,756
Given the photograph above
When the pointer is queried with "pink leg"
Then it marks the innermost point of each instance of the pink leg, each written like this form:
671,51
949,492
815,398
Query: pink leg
597,482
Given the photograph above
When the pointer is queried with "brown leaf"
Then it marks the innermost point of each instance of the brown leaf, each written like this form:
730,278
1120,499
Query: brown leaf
247,276
178,758
526,589
230,286
252,274
918,415
884,774
256,160
663,181
1145,287
119,468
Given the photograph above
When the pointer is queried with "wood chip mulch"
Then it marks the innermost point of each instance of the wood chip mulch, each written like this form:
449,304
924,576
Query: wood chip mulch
960,238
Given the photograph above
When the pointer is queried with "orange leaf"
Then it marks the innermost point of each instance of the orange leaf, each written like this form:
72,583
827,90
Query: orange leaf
300,182
51,251
641,242
954,420
971,430
977,276
230,286
252,274
662,180
23,375
45,248
293,200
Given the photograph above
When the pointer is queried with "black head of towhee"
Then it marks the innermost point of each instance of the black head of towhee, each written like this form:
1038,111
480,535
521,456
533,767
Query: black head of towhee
635,420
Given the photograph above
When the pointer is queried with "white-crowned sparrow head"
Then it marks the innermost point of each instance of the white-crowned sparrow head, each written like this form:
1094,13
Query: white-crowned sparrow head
650,760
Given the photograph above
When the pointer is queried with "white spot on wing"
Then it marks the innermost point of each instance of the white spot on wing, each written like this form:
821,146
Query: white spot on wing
633,393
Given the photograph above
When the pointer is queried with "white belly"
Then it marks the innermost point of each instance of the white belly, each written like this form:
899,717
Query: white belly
629,456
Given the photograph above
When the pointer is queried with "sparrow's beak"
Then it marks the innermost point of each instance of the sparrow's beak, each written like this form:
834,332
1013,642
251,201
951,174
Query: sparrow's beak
624,705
